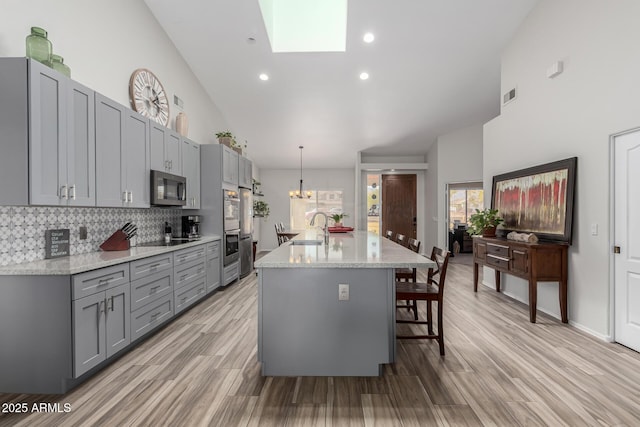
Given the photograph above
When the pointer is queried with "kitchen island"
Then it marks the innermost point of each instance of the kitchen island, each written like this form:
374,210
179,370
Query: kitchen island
328,309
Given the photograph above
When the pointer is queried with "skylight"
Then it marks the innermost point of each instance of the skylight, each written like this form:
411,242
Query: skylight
305,25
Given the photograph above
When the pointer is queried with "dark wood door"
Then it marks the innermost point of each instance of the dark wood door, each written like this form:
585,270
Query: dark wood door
399,204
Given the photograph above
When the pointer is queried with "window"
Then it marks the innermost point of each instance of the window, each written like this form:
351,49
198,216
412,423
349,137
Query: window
373,203
464,199
301,210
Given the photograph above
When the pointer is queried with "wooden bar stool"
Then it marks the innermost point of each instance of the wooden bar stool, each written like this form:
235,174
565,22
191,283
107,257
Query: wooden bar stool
432,290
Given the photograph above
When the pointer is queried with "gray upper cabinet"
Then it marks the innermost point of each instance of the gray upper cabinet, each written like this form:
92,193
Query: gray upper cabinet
166,149
191,170
245,172
229,166
47,137
122,147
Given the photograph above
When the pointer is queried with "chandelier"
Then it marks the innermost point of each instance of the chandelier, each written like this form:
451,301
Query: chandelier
299,193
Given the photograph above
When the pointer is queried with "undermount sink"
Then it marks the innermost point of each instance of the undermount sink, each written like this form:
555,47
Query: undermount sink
306,242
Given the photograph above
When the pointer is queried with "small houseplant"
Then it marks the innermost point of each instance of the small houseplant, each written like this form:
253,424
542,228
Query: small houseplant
227,138
484,222
260,208
337,218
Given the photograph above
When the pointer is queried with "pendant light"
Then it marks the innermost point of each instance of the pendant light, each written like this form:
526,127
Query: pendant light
299,193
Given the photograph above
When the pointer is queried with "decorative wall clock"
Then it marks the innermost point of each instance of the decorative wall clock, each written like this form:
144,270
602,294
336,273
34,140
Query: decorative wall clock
148,97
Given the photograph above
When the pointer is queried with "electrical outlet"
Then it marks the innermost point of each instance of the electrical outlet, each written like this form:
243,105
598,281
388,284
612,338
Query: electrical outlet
83,232
343,292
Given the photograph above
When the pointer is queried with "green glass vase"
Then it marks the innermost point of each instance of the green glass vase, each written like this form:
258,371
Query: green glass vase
38,46
57,63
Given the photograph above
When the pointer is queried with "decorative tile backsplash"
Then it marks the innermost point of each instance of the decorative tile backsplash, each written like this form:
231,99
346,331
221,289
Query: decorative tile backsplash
22,228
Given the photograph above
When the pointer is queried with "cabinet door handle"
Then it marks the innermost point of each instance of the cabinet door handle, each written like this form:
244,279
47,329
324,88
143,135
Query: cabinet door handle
170,164
130,196
73,192
101,307
63,192
124,196
166,164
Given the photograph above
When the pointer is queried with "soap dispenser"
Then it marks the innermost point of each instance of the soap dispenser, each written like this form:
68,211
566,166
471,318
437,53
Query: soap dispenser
167,233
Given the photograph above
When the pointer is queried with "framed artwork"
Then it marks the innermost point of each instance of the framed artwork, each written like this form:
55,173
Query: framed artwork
538,200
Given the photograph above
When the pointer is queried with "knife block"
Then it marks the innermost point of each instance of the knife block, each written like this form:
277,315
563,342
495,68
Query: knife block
117,242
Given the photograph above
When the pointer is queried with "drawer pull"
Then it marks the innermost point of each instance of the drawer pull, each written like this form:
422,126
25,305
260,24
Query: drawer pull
103,282
153,266
183,277
154,289
154,316
183,300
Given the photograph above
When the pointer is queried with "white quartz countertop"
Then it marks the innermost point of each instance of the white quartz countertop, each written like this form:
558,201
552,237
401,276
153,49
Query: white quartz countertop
75,264
355,249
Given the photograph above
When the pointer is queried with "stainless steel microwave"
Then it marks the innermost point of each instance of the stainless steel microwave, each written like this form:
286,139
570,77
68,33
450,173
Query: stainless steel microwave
168,189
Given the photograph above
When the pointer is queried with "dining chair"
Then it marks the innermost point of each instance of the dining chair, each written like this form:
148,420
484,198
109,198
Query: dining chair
432,290
409,274
281,238
401,239
388,234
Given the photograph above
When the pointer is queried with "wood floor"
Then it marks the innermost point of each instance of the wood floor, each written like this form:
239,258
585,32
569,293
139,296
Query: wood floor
499,370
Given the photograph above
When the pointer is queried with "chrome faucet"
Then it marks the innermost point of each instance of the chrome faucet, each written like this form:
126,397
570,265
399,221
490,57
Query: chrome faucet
326,225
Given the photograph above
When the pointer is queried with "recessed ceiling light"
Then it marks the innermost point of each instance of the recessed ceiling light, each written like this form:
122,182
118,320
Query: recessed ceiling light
263,77
364,76
368,37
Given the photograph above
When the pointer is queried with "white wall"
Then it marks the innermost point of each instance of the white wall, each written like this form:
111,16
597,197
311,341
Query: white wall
104,42
431,196
276,184
572,114
459,160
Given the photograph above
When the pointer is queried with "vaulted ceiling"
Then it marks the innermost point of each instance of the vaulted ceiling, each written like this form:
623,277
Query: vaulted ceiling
434,67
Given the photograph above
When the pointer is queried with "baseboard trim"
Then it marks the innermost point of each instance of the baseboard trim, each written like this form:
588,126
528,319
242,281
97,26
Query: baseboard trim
581,327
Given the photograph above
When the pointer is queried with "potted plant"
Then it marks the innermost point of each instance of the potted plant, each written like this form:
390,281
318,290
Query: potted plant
484,222
226,138
260,209
337,218
256,186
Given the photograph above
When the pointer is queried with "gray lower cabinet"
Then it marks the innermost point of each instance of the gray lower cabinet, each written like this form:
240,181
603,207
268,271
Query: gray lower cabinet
100,327
151,293
62,327
150,316
213,266
189,272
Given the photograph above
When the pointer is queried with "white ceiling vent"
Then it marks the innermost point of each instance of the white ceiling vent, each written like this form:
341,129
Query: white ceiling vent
509,96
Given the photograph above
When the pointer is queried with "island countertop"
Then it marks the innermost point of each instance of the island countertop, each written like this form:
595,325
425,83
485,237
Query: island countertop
355,249
80,263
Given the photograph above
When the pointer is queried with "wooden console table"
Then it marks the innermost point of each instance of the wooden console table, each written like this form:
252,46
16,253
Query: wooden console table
535,262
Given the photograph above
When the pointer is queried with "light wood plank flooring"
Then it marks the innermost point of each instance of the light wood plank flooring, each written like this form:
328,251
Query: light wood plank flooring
499,370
